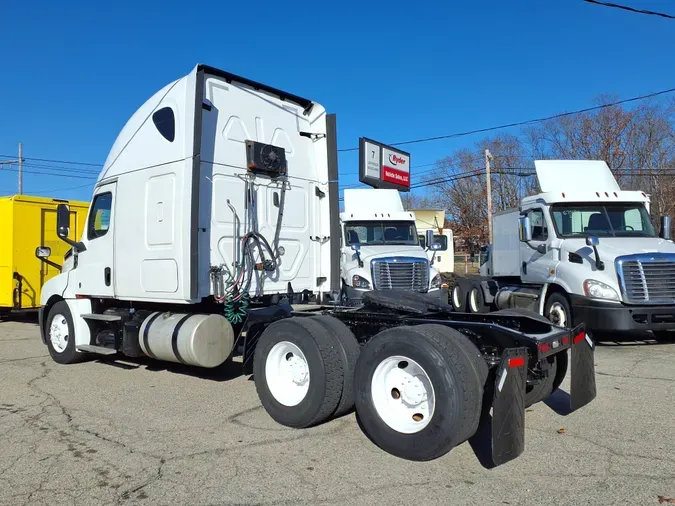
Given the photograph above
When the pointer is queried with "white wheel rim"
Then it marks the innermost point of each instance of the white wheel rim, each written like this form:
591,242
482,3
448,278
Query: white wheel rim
59,333
473,300
403,395
455,297
287,373
557,314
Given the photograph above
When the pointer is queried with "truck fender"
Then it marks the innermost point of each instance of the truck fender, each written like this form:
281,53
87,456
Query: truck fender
546,290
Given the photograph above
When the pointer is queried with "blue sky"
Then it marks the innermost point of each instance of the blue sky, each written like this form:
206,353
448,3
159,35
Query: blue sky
71,73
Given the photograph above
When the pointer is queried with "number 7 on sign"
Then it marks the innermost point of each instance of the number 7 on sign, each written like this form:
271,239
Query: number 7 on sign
373,154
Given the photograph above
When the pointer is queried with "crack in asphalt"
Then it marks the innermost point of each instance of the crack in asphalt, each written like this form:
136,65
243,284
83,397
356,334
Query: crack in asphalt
650,378
51,420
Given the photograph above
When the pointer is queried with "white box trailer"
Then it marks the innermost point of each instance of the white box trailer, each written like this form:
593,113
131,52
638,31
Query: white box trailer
583,250
214,232
442,258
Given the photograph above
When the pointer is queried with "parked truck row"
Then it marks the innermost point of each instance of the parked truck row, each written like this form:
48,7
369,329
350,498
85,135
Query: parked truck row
214,232
582,250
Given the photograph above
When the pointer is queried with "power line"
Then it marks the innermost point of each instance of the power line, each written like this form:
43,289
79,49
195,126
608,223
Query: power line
527,122
62,189
63,169
53,174
57,161
625,7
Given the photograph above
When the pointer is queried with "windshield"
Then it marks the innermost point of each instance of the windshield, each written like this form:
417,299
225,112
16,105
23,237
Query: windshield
381,232
602,220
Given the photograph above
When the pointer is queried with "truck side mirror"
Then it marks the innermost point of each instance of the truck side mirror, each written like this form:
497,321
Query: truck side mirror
62,220
429,238
525,230
43,252
63,228
665,228
356,246
592,240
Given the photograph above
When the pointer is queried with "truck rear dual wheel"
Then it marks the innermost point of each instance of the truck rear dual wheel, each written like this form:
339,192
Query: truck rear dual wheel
303,369
458,298
419,390
476,299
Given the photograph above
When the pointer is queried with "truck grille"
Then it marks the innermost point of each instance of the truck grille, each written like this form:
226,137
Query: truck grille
398,273
647,278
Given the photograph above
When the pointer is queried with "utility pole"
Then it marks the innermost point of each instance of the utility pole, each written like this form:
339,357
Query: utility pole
20,168
20,162
488,157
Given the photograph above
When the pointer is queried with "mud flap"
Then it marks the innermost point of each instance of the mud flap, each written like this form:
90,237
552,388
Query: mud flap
508,406
582,388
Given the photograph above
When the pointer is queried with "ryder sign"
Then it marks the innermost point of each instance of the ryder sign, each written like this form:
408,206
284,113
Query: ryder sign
382,166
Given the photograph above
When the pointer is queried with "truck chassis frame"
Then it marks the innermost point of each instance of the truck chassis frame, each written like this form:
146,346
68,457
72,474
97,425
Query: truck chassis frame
513,344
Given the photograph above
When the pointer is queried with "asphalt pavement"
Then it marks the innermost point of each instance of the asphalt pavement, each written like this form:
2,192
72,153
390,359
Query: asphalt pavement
153,433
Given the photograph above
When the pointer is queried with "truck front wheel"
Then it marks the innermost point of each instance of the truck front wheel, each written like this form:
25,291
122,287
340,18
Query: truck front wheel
60,334
557,310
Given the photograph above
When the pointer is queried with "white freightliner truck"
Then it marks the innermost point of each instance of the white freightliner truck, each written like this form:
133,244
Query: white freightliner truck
213,233
381,248
583,250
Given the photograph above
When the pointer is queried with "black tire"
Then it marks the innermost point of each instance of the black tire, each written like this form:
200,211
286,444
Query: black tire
69,355
458,297
479,305
325,372
544,388
562,360
350,350
560,301
450,371
479,368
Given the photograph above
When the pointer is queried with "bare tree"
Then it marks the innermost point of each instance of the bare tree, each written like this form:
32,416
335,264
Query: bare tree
417,201
460,186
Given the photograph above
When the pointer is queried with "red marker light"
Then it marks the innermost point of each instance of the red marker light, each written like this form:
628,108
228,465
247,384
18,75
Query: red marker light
517,362
565,341
544,347
579,337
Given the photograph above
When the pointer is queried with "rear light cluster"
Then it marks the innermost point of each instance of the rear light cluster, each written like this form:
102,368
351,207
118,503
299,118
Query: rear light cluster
545,347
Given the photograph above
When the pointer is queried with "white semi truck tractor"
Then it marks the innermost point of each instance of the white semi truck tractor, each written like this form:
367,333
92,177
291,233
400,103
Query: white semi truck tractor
381,248
213,235
583,250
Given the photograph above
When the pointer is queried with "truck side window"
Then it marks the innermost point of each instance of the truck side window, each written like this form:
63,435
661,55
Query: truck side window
443,240
538,225
165,121
99,218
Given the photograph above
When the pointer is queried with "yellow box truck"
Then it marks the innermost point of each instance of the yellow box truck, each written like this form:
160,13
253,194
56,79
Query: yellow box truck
26,223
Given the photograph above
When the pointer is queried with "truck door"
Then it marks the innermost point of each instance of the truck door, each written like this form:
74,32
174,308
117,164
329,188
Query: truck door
536,256
94,272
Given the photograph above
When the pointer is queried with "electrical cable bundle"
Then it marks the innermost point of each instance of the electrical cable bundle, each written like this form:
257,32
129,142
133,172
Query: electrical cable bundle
236,295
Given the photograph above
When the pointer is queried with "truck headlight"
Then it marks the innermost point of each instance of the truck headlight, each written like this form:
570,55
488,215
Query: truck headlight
360,282
599,290
436,282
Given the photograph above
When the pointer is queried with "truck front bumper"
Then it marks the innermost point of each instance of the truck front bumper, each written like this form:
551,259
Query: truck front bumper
601,315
